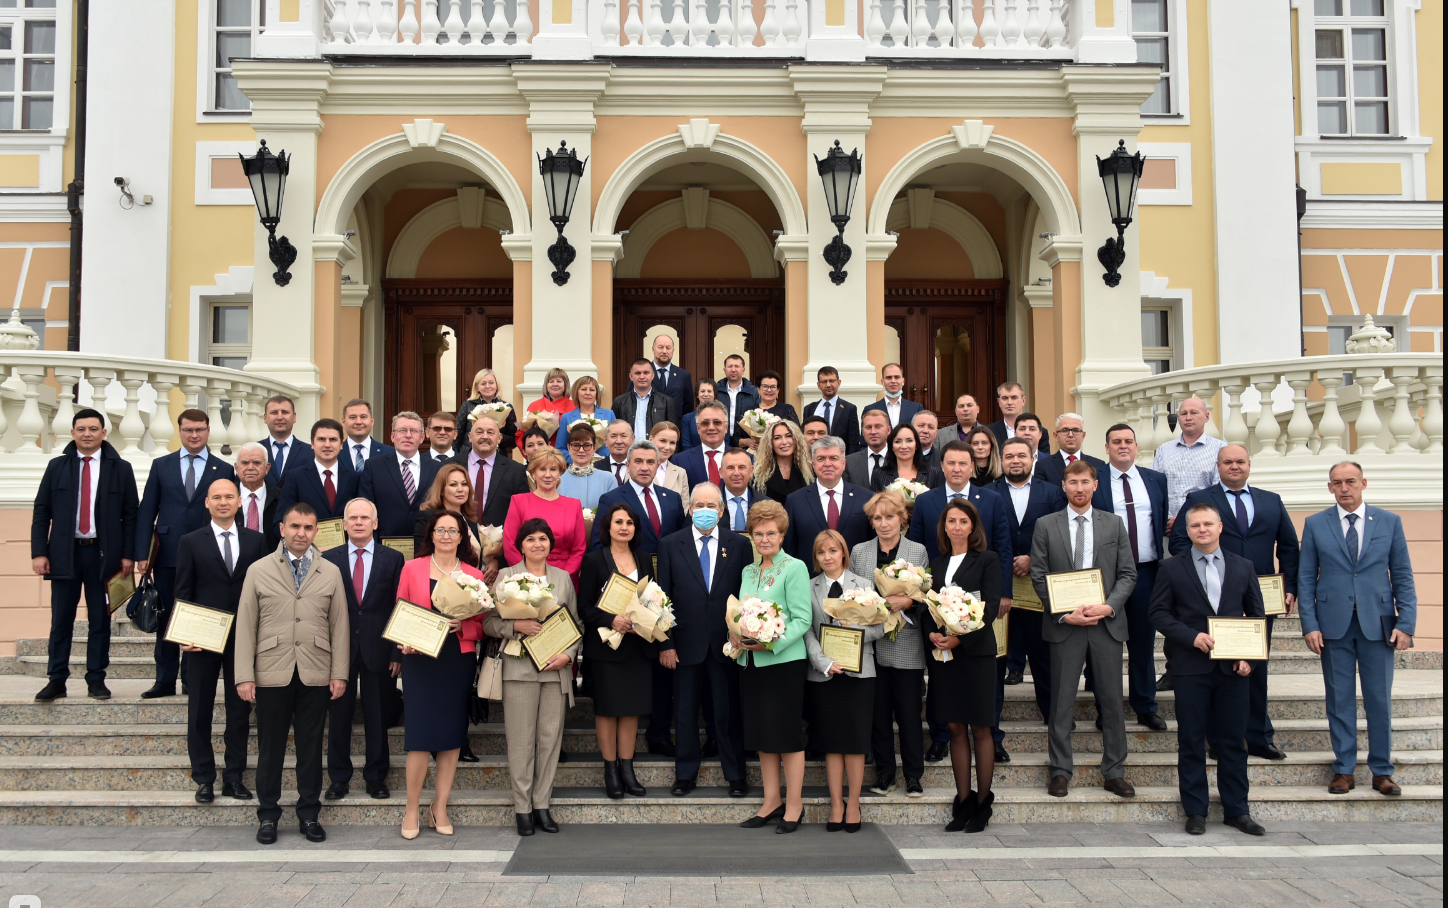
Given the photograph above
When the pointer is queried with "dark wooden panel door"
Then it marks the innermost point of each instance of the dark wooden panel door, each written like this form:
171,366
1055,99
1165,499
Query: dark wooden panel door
438,334
952,340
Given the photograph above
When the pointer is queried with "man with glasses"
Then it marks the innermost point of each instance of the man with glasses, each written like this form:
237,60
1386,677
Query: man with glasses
442,434
397,484
703,464
173,505
1070,436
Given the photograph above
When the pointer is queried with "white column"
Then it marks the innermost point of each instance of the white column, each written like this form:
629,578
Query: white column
293,29
563,33
1100,30
834,32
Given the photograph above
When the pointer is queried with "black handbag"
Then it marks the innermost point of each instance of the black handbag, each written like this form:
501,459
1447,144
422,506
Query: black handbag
144,606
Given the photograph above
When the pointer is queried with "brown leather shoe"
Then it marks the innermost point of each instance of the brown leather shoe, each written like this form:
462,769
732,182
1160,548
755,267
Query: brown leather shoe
1119,787
1060,786
1386,785
1341,784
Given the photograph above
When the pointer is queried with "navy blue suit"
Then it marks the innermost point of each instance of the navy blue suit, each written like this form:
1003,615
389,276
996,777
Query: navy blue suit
908,409
695,465
375,448
688,434
807,520
746,399
671,515
1141,636
382,485
750,496
298,452
931,505
844,422
306,485
680,387
1052,468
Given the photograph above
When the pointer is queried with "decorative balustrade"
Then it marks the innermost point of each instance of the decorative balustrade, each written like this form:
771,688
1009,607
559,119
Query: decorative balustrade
969,28
423,27
703,27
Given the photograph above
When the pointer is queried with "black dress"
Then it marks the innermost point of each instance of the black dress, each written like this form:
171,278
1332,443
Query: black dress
436,693
784,411
965,687
779,488
623,678
933,477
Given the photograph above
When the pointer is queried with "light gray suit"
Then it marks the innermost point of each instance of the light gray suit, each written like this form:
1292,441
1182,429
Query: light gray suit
819,663
1051,553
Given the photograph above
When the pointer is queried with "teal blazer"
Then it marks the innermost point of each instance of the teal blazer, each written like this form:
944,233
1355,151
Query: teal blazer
787,586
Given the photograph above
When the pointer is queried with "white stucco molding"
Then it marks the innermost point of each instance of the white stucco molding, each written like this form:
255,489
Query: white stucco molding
958,224
429,224
672,215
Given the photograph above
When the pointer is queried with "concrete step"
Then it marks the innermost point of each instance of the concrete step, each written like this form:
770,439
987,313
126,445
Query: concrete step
120,667
1418,803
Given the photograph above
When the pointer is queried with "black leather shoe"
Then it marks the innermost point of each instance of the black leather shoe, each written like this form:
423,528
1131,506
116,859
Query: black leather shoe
312,830
337,791
785,827
629,780
205,794
1266,751
161,690
612,784
738,788
1164,682
1151,721
1196,825
913,789
983,812
1246,824
663,749
378,790
961,810
757,821
185,691
937,752
51,692
98,691
236,790
1014,677
543,819
710,750
562,756
525,823
1001,756
682,787
466,755
266,834
1098,722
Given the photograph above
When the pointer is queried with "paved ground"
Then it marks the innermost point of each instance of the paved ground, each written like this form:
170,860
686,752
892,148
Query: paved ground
1318,864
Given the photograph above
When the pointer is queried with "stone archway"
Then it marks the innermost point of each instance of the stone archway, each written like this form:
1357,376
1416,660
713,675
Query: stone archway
435,220
675,214
956,223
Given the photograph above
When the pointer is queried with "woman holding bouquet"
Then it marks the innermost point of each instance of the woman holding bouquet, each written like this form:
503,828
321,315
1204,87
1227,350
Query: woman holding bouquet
582,480
769,384
555,400
987,453
585,394
486,391
665,436
899,663
771,685
905,458
782,466
534,702
704,392
623,678
451,490
436,691
841,704
563,514
965,685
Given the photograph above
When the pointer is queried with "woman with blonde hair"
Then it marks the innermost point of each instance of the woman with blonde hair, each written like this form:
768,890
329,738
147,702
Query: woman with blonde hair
586,394
782,466
487,390
555,400
451,490
986,451
665,436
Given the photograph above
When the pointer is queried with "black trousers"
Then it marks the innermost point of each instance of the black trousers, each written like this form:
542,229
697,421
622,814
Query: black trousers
711,686
203,670
64,599
1219,698
897,701
373,689
301,710
665,696
167,654
1025,634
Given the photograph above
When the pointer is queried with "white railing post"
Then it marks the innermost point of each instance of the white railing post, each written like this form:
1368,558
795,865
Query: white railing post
1299,427
68,378
1267,428
100,380
1433,410
1401,423
30,423
215,390
1331,426
1235,429
965,28
238,432
1368,425
162,428
131,428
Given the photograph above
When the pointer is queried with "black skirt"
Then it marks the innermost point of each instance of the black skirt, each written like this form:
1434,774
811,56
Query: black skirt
964,690
436,692
771,700
621,688
841,713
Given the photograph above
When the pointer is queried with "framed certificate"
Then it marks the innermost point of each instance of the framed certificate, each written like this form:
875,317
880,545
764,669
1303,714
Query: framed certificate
119,589
844,646
1072,589
1023,595
617,594
420,628
1002,627
330,534
1274,593
557,634
197,625
1238,638
401,544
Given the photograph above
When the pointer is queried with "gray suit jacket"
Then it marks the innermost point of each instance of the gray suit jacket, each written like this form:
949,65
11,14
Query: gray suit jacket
819,663
857,467
907,650
946,435
1051,554
521,668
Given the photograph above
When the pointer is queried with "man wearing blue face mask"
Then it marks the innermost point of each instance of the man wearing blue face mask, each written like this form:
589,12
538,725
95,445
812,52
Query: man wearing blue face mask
700,567
894,405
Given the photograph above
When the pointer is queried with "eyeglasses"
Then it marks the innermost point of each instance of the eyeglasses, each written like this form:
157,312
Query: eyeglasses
445,533
580,446
196,430
1070,431
767,534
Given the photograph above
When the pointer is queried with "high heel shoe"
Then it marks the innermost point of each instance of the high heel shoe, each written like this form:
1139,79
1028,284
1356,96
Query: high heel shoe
981,818
432,824
757,821
960,814
411,834
630,781
787,826
612,784
832,826
854,827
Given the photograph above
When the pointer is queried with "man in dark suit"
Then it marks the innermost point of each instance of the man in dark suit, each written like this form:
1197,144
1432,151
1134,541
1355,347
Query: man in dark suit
639,406
1027,498
828,503
211,565
259,495
739,494
1011,399
700,567
360,446
1070,436
897,408
860,466
703,462
927,427
398,482
327,481
839,414
501,477
1138,496
660,510
370,574
1257,527
173,505
669,378
1205,581
284,451
737,394
82,531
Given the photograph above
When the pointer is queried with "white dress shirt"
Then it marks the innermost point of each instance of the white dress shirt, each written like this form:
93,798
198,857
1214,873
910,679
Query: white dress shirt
95,484
1020,498
839,491
870,455
952,493
718,456
259,496
1141,504
1089,561
355,449
1362,523
733,401
826,411
713,552
216,530
289,445
892,410
641,414
440,456
413,463
322,469
952,566
638,491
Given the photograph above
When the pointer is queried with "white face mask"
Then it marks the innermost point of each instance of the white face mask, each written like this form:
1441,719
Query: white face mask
895,396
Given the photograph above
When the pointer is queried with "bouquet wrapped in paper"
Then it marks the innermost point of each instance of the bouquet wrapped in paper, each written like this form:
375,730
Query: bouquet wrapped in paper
652,614
756,423
461,595
753,621
524,597
908,490
588,515
864,608
599,427
490,540
546,420
956,612
497,411
901,578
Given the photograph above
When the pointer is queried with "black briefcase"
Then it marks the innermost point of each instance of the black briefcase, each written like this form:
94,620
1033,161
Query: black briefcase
144,606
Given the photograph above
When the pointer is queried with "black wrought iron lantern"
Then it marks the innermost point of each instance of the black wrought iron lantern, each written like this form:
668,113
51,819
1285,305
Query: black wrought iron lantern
562,173
1120,174
840,174
267,173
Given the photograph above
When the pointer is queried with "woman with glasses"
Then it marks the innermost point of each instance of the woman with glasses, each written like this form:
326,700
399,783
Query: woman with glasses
665,436
782,467
564,515
705,391
555,399
585,394
582,480
770,384
986,451
436,691
906,458
486,391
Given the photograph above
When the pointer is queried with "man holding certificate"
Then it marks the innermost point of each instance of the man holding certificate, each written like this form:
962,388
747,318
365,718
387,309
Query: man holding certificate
1084,570
1208,605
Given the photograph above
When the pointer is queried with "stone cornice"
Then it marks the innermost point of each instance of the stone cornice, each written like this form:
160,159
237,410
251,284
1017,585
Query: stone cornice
837,98
561,97
286,95
1107,99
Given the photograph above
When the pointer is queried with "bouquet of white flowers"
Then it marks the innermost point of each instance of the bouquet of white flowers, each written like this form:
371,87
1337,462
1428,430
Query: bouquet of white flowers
497,411
957,612
756,423
461,595
652,614
908,489
491,540
599,427
753,621
901,578
525,596
863,608
546,420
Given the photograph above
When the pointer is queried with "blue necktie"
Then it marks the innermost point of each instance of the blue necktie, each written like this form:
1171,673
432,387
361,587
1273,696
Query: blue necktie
704,558
740,517
281,457
1352,539
360,463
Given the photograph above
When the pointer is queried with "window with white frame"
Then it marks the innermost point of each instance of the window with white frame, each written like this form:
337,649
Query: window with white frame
235,26
1150,28
230,338
27,64
1157,347
1351,47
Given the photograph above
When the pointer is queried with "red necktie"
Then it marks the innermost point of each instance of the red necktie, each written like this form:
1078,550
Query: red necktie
653,513
1070,458
1130,503
253,518
359,576
85,496
480,489
832,516
331,491
713,467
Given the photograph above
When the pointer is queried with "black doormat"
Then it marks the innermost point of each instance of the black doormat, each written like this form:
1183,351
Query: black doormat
608,849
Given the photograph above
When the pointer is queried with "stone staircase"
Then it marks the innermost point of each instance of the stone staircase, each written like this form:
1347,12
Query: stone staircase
123,761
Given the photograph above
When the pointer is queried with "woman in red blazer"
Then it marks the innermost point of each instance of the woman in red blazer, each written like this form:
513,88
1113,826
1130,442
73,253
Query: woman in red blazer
436,691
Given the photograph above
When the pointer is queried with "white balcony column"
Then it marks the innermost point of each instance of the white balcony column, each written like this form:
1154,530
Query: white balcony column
293,28
1299,427
1368,424
1234,430
834,32
238,432
563,35
132,428
68,379
30,423
1100,30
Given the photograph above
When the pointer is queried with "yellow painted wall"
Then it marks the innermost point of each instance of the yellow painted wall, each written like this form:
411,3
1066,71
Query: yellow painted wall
1430,90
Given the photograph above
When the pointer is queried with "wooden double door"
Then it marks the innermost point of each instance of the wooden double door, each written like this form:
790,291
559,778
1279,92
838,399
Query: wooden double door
952,340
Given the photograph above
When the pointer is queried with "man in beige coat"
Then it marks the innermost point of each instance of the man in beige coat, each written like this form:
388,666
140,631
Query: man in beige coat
292,647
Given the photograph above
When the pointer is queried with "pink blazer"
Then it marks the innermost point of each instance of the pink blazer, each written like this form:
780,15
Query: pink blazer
415,587
565,518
